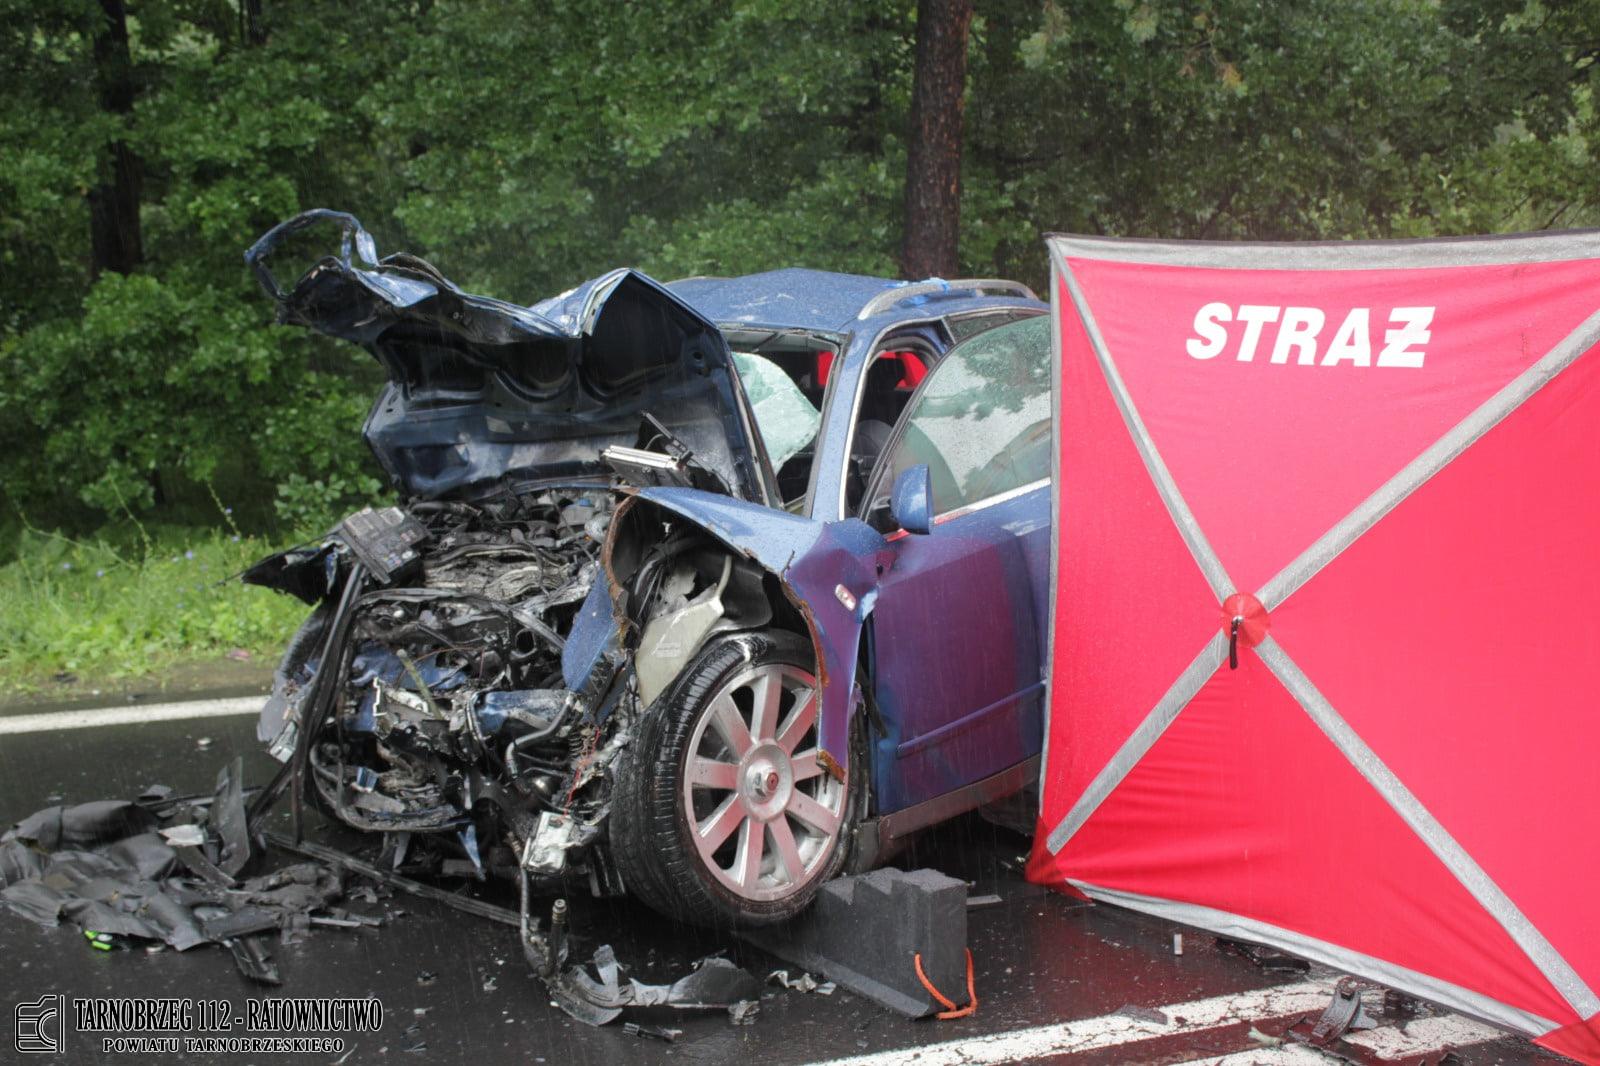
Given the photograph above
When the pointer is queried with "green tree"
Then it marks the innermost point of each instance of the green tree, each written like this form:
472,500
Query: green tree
549,145
1231,120
134,371
145,143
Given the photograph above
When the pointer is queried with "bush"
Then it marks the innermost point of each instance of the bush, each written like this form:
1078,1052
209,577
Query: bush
96,608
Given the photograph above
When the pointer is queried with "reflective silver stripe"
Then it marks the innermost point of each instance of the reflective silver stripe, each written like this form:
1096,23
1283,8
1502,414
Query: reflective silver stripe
1056,270
1193,678
1338,255
1231,925
1211,566
982,505
1417,472
989,501
1437,838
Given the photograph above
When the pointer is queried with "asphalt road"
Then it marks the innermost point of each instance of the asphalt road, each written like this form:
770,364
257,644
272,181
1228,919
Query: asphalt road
1057,980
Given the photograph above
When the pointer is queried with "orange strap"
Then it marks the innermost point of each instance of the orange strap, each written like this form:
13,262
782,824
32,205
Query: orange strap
951,1010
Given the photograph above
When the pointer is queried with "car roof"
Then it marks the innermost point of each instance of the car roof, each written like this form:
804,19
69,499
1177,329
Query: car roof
823,301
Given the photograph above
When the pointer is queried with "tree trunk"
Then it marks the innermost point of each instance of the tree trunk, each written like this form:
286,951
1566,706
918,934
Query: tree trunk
933,158
116,241
253,27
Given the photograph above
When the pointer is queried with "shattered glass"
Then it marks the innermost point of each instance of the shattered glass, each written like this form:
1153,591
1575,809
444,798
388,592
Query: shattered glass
786,420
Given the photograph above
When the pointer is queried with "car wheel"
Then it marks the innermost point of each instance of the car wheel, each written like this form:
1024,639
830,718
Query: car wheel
723,814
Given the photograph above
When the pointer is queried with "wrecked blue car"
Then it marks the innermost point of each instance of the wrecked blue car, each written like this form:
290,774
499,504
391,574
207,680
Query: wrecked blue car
704,592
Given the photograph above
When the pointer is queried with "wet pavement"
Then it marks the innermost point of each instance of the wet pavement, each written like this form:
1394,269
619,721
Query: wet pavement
1058,980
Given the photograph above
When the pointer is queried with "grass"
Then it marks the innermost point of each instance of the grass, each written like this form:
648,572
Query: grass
95,610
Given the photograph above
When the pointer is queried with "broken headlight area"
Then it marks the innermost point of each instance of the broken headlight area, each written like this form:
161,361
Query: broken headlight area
455,707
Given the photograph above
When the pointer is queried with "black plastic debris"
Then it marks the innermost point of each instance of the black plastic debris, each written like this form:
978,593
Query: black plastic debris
228,819
590,1001
1262,956
599,997
350,863
174,871
1345,1013
81,827
714,984
253,960
1352,1011
160,869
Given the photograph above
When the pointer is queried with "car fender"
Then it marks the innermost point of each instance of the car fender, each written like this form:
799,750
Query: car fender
828,570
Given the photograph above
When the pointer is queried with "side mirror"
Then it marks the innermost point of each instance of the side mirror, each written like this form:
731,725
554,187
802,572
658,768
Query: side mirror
911,503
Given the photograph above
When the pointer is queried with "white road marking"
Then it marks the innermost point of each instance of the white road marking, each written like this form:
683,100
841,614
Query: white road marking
130,715
1286,1055
1423,1035
1111,1030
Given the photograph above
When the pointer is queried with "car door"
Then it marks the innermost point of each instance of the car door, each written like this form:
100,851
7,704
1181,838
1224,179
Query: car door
958,630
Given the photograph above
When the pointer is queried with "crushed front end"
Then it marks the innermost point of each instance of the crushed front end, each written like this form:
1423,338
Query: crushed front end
459,684
433,697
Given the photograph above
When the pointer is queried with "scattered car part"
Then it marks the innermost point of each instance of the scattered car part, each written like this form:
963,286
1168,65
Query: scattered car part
253,960
713,983
652,1032
805,983
1261,956
1345,1012
333,857
165,872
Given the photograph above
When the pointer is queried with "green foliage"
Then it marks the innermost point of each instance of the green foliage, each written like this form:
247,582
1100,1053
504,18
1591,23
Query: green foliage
304,503
126,394
163,382
1325,119
525,147
688,138
109,610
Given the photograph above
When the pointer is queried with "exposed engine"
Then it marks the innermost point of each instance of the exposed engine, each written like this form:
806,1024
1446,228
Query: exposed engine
451,716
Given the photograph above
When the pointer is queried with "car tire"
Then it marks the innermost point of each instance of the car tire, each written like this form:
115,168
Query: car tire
722,818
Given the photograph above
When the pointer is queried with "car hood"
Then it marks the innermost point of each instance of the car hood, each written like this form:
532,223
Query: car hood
484,394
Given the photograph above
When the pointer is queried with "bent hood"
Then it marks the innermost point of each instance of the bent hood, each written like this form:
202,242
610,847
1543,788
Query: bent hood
483,393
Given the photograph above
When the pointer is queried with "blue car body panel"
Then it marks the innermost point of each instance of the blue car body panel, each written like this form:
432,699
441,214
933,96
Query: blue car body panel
783,299
828,570
959,702
483,394
594,633
959,650
956,616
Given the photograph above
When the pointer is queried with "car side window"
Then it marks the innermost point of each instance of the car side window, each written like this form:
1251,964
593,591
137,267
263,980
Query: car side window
981,421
